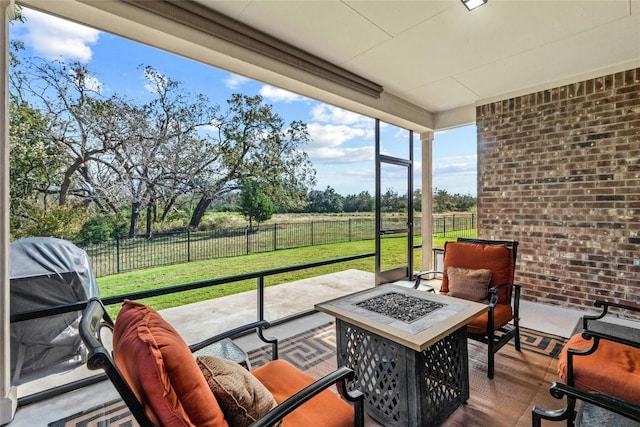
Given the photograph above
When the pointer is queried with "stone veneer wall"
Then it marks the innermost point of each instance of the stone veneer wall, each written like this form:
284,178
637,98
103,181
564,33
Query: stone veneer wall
559,171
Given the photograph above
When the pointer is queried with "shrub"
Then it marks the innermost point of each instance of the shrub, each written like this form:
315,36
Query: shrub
100,228
64,222
97,229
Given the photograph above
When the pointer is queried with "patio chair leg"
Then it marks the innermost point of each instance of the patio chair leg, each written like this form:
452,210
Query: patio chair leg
490,360
490,350
490,368
517,335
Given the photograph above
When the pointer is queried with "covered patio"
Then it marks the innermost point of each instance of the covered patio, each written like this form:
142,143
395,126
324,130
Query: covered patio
553,88
224,313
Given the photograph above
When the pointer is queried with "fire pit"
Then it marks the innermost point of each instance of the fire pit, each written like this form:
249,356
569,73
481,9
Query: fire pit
405,308
408,351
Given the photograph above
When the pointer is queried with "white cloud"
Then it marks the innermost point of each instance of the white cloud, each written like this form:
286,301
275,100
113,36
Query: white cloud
340,136
276,94
212,128
333,135
417,171
55,38
234,81
341,155
403,135
330,114
457,165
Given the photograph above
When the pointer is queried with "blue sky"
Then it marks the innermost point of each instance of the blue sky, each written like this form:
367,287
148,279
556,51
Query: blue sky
342,150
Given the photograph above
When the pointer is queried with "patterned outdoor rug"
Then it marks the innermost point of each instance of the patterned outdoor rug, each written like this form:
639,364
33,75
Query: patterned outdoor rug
314,352
312,347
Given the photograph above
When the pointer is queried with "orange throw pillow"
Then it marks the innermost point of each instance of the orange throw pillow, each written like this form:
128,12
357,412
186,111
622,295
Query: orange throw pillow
159,367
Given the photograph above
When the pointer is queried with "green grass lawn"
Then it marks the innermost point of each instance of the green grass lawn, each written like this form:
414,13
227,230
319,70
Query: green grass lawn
178,274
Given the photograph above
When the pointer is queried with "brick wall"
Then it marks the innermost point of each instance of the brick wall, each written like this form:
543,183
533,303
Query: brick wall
559,171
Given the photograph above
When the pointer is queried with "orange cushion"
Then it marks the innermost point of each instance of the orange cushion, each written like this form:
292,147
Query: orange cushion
159,367
502,314
283,380
497,258
613,369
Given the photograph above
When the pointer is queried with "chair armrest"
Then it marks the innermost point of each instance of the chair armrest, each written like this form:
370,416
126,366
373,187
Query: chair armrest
228,334
605,309
418,278
341,375
422,273
493,295
612,332
560,390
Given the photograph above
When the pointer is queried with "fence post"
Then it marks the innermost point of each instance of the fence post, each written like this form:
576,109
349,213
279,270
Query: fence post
247,238
275,237
117,255
349,229
312,239
188,245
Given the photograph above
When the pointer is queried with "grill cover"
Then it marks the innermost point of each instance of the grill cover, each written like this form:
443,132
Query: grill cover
47,272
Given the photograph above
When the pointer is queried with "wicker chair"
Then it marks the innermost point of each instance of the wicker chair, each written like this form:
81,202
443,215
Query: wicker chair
475,255
601,368
162,384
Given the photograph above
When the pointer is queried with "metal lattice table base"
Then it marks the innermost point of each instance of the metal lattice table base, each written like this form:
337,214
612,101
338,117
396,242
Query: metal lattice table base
404,387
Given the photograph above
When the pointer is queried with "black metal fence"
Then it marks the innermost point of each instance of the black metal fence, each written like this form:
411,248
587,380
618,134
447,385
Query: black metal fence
452,225
122,255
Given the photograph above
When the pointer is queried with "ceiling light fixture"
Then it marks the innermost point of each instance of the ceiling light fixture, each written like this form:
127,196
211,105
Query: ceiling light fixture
472,4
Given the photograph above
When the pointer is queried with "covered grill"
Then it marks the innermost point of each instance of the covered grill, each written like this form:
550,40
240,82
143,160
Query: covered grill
46,272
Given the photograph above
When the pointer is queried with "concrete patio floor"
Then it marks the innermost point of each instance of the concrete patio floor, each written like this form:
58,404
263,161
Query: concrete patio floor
203,319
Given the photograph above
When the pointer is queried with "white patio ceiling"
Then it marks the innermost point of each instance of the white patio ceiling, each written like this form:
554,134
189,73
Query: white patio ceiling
435,60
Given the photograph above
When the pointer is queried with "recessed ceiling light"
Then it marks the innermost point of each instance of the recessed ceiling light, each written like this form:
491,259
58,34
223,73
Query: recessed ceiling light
472,4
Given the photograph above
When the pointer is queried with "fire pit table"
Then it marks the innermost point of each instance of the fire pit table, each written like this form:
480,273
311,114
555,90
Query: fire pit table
408,349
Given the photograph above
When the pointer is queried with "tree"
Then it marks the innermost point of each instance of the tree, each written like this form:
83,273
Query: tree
417,200
33,163
105,154
325,201
34,160
391,201
100,228
83,123
166,150
362,202
64,222
445,202
252,142
254,204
